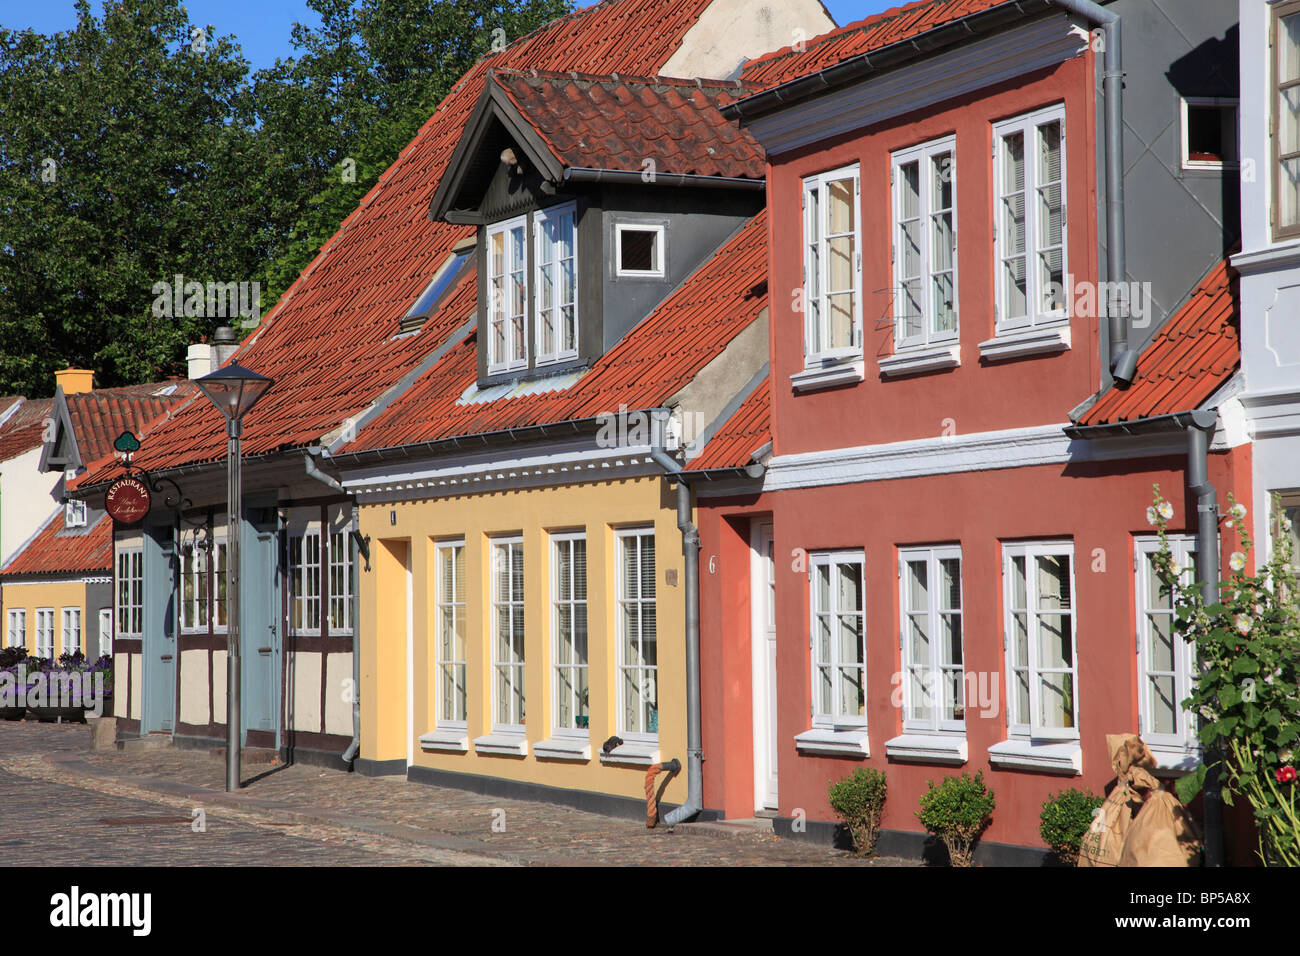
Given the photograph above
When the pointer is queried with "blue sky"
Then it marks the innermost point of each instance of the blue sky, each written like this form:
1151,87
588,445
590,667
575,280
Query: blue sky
262,26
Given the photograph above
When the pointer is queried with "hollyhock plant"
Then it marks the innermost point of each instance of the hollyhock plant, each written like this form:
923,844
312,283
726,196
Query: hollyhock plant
1247,687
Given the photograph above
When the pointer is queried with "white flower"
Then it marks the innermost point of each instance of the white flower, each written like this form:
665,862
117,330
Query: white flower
1286,524
1228,523
1152,515
1238,511
1285,756
1237,561
1207,713
1259,610
1268,679
1244,623
1166,510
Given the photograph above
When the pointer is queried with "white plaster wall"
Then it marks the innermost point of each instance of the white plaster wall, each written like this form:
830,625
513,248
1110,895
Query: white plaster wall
218,687
304,678
137,685
121,700
732,31
194,687
1257,179
338,702
26,500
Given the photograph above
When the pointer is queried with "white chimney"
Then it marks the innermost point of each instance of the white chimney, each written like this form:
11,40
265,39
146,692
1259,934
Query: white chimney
199,359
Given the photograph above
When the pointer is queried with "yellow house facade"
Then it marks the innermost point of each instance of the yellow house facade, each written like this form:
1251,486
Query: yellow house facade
590,572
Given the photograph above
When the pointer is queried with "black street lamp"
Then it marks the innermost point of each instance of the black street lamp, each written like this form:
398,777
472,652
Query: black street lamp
234,390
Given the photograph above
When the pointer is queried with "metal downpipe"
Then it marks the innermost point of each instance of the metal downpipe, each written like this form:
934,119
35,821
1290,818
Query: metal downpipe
691,552
1122,360
1207,550
354,747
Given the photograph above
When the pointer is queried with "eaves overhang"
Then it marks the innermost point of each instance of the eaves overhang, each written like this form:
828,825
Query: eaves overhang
1204,419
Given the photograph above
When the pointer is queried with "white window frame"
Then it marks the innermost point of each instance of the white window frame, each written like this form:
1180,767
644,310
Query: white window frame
558,541
540,218
303,572
1029,125
17,627
337,541
819,184
924,155
198,608
497,306
129,584
648,672
1031,551
660,267
503,547
444,602
74,513
45,632
836,720
1212,101
69,615
1183,550
935,724
105,633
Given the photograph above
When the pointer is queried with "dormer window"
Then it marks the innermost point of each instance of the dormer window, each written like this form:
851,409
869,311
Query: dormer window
552,300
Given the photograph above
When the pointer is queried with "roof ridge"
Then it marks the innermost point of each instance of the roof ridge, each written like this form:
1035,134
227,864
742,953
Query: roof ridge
618,77
858,26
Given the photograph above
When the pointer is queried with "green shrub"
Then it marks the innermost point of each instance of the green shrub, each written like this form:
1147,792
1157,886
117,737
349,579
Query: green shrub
957,810
1065,819
859,800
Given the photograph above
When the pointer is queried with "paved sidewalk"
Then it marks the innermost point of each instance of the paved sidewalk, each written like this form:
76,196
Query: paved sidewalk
391,815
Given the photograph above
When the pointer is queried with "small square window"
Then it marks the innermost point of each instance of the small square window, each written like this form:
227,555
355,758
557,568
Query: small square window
640,250
1209,133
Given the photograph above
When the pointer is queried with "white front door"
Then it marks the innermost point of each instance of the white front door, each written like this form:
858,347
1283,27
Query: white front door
763,643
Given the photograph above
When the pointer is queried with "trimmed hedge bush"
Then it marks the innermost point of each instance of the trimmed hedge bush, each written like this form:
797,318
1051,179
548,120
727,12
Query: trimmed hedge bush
859,800
957,809
1065,819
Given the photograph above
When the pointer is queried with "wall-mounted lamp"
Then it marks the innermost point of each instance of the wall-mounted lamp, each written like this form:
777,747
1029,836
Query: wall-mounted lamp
363,545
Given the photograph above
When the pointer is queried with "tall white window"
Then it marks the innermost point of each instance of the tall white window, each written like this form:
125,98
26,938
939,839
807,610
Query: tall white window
1030,219
508,635
638,633
340,571
569,625
556,298
1286,119
17,636
1042,674
838,640
45,632
832,274
507,332
925,244
931,640
1165,658
70,637
196,604
129,600
105,631
304,582
452,663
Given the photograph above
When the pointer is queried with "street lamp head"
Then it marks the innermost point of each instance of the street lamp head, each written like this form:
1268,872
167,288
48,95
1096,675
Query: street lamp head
234,390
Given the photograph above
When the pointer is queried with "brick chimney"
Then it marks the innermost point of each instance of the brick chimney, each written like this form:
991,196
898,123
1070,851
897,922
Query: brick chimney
74,381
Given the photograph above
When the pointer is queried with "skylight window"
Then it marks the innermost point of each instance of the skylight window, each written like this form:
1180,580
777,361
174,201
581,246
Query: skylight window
443,281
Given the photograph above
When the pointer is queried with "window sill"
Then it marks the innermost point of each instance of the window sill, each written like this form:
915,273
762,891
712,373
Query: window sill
1025,342
926,359
834,743
1064,757
928,748
1174,761
502,744
829,374
446,740
635,753
563,748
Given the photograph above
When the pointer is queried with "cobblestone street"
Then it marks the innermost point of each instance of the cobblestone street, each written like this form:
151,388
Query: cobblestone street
134,808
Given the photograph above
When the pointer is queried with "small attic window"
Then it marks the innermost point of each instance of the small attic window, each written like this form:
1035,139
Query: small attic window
640,250
452,269
1209,133
74,513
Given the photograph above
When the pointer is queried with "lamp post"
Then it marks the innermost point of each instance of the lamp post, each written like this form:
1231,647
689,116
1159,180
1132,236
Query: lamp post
234,390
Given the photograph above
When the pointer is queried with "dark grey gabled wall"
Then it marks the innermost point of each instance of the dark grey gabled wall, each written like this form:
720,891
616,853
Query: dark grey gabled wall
1180,222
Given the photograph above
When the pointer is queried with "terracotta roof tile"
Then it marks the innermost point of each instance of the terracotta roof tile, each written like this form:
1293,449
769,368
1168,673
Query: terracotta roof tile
25,428
651,363
60,550
328,343
100,416
747,430
1195,353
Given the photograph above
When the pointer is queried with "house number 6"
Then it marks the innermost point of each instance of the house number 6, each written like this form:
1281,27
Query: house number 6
713,564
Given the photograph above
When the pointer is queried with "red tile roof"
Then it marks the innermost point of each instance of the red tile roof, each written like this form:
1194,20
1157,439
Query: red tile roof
747,430
328,343
1195,353
603,122
60,550
873,33
25,428
651,363
99,417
